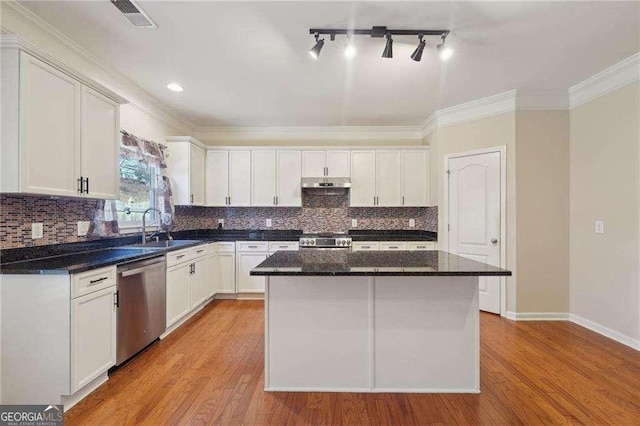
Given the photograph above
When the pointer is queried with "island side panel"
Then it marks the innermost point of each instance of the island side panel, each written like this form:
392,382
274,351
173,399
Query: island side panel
317,333
426,334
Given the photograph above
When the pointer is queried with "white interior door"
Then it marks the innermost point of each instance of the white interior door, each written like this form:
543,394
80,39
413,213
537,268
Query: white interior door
474,217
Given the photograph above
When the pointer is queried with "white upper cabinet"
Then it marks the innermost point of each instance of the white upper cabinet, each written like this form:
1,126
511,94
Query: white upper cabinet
415,178
289,170
276,177
331,163
263,176
338,163
99,155
363,178
59,136
185,164
217,178
313,163
240,178
228,178
388,178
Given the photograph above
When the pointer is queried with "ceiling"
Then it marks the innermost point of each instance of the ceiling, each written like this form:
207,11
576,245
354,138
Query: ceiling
246,63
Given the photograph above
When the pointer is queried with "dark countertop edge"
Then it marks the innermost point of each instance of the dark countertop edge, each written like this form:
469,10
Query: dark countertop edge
382,274
409,238
78,269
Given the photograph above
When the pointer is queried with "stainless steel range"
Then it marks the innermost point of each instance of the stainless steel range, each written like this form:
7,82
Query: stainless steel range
325,241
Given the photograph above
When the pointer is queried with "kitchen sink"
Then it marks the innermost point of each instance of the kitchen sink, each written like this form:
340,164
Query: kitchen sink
159,245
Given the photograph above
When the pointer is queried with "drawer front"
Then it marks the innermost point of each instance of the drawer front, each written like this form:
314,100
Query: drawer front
92,281
365,245
225,246
211,249
179,256
283,245
393,245
421,245
244,246
199,251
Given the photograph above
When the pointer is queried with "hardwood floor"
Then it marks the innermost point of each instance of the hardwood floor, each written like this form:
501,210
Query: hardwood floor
211,371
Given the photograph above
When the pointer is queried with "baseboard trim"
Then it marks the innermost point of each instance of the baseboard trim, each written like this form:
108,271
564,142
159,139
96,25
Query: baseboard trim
367,390
605,331
538,316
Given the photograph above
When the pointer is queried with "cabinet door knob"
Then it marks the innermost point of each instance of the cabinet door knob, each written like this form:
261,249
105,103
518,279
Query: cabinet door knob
494,241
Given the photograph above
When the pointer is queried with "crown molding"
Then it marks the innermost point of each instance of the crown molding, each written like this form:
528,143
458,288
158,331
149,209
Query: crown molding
311,134
624,72
188,139
473,110
144,102
429,125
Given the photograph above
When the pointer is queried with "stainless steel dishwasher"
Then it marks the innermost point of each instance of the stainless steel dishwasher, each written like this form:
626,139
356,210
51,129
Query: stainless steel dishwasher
141,306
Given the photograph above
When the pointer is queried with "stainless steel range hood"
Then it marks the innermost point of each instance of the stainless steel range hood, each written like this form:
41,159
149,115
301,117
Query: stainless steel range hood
326,182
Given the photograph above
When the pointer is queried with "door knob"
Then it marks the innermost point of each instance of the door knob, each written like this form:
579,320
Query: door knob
494,241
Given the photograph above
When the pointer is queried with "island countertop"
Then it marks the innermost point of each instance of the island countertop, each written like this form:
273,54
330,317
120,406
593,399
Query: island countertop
381,263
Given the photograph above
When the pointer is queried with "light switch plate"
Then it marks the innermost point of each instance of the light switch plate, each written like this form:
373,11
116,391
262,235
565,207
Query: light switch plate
83,227
268,223
37,231
599,227
221,222
354,223
412,223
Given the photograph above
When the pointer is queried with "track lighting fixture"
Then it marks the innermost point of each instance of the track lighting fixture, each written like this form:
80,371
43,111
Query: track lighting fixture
417,54
388,48
315,50
380,32
445,52
349,48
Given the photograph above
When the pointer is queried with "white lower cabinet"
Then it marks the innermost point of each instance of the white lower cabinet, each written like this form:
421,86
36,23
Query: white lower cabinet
177,292
245,263
223,267
58,335
187,276
93,336
394,245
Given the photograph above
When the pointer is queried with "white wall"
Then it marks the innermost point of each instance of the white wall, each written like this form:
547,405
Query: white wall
605,185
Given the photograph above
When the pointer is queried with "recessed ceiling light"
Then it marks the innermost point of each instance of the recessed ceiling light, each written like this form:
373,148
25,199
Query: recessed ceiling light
175,87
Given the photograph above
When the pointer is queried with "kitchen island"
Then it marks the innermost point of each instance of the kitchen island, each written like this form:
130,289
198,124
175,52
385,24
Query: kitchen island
343,321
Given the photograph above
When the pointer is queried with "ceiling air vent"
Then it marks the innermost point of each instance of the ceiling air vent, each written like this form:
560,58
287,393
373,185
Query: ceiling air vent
134,14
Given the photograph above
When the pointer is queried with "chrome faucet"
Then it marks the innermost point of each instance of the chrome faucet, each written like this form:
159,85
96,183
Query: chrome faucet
144,223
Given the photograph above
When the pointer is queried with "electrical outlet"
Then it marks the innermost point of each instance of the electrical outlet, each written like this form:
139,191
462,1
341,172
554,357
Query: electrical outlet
354,223
268,223
221,222
83,227
599,227
412,223
37,231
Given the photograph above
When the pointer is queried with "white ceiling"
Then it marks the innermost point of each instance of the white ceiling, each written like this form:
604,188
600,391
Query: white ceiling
246,63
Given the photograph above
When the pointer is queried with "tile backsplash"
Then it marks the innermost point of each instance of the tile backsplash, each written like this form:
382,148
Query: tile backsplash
319,212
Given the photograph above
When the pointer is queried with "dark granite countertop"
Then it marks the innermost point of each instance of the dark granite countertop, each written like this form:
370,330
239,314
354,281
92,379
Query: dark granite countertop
343,262
78,257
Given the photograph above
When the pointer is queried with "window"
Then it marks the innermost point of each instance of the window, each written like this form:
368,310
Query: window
138,191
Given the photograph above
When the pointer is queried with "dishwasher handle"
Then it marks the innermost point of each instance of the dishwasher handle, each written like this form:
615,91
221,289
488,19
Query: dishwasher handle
137,267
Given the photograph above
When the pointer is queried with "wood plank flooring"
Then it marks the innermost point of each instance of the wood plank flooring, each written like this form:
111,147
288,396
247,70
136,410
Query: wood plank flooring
211,371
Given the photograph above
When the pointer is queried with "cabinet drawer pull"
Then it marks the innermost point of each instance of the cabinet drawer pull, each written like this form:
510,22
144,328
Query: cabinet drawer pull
421,246
200,251
393,247
283,246
99,280
252,246
180,257
366,247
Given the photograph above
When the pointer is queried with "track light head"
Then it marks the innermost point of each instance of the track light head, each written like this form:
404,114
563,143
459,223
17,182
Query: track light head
417,54
444,51
315,50
388,48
